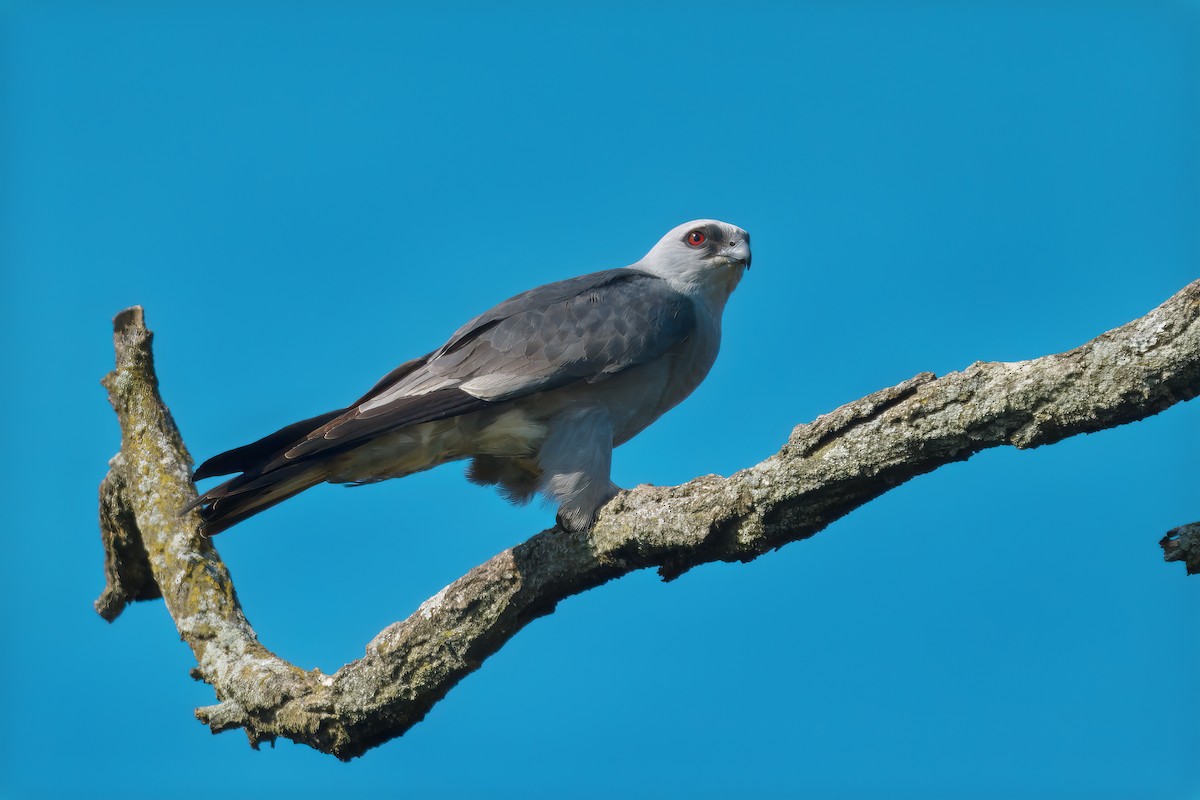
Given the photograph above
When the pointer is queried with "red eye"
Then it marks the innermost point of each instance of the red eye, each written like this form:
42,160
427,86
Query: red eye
696,238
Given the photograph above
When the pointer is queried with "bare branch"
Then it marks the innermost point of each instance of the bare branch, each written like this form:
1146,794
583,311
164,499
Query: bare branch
827,468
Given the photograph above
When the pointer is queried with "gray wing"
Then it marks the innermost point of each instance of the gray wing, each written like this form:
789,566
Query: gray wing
582,329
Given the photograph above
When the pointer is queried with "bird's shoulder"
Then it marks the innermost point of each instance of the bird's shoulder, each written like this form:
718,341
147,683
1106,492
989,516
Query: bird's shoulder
610,284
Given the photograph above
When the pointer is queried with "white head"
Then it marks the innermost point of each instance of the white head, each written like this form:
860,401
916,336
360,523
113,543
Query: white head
702,258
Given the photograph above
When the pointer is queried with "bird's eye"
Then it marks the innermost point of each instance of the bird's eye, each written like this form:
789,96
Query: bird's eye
696,238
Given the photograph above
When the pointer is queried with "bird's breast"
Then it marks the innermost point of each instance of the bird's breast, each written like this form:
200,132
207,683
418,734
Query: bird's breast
655,388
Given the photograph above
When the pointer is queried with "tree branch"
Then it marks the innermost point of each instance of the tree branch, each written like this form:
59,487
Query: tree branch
827,468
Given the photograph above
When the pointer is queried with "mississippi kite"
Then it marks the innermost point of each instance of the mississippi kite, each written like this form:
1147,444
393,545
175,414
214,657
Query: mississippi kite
536,391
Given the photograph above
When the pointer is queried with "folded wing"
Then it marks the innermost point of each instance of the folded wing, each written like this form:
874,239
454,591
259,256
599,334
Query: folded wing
582,329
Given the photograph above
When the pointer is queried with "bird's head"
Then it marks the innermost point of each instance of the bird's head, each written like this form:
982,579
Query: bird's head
704,256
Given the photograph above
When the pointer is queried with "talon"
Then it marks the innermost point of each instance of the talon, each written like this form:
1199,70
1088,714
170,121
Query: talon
571,525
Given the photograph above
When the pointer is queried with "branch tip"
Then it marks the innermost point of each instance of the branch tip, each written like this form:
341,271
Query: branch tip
132,317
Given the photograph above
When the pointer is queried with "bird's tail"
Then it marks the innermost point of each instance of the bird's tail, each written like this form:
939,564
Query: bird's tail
261,485
237,499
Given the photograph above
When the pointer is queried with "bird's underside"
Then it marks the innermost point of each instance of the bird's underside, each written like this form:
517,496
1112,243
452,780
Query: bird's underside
536,392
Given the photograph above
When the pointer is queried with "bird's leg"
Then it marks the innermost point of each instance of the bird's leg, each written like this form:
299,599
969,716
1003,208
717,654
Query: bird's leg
576,459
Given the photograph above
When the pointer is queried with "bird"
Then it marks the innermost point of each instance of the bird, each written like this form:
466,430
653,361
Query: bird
535,392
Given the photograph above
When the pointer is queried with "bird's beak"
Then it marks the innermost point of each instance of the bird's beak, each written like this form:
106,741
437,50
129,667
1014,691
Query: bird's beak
738,252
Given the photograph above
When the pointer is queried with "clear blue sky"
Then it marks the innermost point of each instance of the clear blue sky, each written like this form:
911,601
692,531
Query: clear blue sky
302,195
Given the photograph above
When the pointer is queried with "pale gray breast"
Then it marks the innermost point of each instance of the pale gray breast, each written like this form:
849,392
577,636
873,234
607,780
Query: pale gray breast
646,393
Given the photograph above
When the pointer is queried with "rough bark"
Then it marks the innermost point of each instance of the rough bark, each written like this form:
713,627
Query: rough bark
826,469
1183,544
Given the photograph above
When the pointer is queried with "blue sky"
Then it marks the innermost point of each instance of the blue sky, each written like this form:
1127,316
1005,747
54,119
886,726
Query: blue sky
303,195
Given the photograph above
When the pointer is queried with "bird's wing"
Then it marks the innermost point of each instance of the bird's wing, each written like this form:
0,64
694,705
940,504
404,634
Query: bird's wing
254,455
582,329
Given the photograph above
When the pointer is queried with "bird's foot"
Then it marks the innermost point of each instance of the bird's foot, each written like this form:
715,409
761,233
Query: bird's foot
576,516
573,522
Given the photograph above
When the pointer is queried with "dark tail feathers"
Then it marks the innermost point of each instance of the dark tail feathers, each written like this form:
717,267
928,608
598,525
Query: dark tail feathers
252,456
253,491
